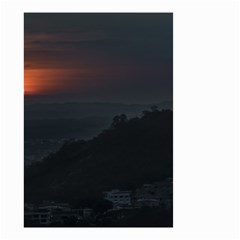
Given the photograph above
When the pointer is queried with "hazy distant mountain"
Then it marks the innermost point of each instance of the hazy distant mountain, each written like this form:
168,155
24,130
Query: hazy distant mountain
75,120
83,110
83,128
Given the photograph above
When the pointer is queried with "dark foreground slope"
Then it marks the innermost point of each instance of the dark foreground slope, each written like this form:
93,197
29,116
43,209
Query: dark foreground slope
128,154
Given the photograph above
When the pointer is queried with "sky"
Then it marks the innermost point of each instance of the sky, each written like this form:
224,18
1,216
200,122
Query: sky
99,57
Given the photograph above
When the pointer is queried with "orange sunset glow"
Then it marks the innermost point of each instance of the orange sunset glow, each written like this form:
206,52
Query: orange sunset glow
37,81
46,81
98,59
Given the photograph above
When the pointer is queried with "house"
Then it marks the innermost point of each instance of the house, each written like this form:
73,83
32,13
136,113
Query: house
118,197
88,213
51,206
147,203
29,207
61,216
157,193
42,217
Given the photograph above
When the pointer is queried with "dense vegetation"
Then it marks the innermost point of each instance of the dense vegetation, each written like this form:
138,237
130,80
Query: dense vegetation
128,154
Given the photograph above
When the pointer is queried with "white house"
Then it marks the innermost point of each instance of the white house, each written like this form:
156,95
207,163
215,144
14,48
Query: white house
118,197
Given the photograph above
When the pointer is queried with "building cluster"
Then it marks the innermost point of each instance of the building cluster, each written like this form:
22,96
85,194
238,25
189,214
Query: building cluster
158,194
48,213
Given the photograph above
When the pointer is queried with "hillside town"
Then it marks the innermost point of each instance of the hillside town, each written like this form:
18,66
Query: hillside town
118,204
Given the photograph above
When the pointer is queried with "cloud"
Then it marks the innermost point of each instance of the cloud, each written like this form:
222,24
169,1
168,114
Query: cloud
41,41
130,53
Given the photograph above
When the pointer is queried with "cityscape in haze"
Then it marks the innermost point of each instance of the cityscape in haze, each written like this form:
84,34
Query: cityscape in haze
98,120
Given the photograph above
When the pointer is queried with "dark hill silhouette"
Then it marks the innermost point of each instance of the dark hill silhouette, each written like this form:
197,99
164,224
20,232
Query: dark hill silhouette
128,154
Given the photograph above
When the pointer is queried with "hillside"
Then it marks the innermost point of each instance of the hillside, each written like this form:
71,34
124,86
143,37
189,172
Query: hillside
131,152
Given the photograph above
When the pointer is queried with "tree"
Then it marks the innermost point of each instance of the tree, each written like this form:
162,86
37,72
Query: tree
154,108
119,120
102,206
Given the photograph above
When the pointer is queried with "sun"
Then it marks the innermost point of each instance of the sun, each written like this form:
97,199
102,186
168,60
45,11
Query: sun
29,82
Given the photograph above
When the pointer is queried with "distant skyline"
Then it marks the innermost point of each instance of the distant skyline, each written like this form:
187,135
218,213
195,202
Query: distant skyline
99,57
